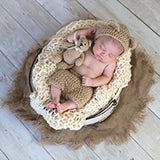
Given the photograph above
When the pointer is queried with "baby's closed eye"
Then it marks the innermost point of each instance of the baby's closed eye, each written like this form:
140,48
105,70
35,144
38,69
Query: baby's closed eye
110,55
102,48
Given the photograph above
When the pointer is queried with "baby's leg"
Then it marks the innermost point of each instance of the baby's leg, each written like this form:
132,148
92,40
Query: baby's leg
56,93
66,106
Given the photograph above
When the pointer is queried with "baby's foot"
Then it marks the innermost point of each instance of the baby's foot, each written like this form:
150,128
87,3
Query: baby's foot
51,105
61,108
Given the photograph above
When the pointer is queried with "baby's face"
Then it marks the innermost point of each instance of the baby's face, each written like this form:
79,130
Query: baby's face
105,51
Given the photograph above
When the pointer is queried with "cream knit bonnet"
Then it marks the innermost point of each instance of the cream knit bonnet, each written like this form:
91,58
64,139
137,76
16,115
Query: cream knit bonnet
119,32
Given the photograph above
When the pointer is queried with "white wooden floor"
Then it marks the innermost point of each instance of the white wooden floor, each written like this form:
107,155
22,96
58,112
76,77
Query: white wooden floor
24,23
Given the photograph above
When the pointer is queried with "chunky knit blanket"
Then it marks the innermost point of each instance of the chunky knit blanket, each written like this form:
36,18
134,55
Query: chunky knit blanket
45,67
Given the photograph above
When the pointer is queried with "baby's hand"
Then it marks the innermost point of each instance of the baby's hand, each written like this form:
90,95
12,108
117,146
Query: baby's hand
86,81
90,32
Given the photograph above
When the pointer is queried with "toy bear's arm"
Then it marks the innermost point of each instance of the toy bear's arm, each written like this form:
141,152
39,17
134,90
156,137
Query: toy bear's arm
57,58
67,45
63,65
79,60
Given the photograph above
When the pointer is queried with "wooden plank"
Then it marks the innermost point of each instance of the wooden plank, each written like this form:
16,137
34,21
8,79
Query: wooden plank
12,41
147,11
5,84
63,152
127,151
3,156
114,10
148,135
5,80
32,17
64,11
18,21
17,142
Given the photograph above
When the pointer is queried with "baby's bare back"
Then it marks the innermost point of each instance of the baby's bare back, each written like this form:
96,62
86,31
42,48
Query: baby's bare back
91,67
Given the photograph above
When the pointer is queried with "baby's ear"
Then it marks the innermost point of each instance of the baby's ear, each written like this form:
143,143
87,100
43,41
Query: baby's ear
132,43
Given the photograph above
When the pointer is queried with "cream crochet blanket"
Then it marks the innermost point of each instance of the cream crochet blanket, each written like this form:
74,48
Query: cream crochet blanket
45,67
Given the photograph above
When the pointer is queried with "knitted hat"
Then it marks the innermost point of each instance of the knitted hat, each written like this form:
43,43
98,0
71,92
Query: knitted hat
119,32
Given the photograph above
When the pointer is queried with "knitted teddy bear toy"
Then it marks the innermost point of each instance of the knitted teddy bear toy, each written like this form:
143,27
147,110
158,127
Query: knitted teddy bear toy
74,53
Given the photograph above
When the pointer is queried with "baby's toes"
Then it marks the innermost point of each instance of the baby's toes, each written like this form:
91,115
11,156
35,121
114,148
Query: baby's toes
60,108
51,105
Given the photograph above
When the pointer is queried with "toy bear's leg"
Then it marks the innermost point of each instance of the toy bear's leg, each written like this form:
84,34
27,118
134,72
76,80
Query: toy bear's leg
80,60
63,65
57,58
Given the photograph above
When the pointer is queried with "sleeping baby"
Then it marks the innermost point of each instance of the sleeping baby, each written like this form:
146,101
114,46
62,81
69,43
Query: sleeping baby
76,84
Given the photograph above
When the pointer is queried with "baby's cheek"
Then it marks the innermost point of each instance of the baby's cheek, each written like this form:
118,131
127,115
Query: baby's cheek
95,49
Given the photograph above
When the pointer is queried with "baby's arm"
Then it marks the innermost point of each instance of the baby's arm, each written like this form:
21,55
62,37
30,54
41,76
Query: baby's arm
86,32
101,80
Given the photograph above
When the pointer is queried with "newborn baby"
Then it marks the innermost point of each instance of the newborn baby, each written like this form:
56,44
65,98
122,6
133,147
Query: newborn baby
97,69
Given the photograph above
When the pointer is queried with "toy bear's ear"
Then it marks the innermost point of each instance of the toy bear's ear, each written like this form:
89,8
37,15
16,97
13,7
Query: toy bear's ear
132,43
114,24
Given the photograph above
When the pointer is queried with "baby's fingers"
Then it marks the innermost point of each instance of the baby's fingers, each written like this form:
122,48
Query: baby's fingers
83,79
91,31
